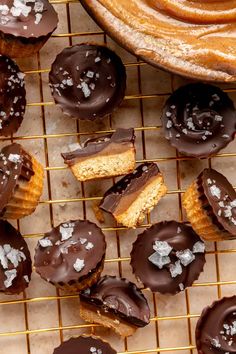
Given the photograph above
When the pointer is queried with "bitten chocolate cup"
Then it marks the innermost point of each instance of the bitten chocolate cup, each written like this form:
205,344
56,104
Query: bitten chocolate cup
102,157
85,345
216,328
168,257
115,303
15,260
71,256
88,81
199,120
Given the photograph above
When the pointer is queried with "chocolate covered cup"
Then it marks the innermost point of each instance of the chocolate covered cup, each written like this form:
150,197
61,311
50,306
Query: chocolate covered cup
71,256
199,120
25,26
216,328
88,81
15,261
210,204
21,182
168,257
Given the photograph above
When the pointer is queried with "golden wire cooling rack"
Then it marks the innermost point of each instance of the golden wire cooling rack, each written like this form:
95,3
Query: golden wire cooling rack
38,320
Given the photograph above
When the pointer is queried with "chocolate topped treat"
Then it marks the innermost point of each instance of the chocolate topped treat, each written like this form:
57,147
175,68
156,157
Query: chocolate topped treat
199,120
216,328
218,199
109,144
105,156
71,254
12,96
85,345
120,297
15,167
168,257
27,18
134,195
88,81
15,261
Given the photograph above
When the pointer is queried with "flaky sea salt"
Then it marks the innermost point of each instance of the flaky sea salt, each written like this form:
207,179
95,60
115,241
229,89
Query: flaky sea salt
66,232
186,257
14,158
175,269
199,247
162,247
159,260
89,246
215,191
78,265
10,275
45,242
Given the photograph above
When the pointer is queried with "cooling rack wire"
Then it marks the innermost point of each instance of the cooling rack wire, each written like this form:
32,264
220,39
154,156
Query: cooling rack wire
153,340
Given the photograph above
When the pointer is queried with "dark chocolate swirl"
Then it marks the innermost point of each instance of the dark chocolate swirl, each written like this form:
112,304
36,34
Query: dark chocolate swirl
27,19
15,166
70,252
120,297
179,238
216,328
199,120
15,261
218,199
115,142
12,96
84,345
88,81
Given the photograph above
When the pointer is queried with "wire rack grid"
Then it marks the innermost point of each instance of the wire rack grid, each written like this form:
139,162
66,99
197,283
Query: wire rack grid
41,318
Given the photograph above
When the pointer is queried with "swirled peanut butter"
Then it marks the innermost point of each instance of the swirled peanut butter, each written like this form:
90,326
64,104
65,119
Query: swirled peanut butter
193,38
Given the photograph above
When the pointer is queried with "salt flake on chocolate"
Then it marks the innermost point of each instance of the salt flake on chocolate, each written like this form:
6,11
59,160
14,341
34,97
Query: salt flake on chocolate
199,247
45,242
162,247
78,265
186,257
11,275
175,269
159,260
215,191
66,232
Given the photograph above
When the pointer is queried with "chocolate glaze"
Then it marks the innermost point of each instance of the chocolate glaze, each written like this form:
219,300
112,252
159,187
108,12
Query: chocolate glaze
214,328
199,120
30,26
180,237
83,344
120,297
12,96
129,186
221,208
88,81
117,142
10,236
15,167
55,263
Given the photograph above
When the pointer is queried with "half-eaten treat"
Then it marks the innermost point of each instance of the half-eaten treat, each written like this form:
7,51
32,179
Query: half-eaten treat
106,156
136,194
115,303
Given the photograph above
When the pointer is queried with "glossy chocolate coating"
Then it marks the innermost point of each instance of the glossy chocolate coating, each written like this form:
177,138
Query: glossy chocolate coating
12,96
215,331
180,237
55,263
120,297
41,19
199,120
218,198
129,186
15,167
83,345
10,236
88,81
114,143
